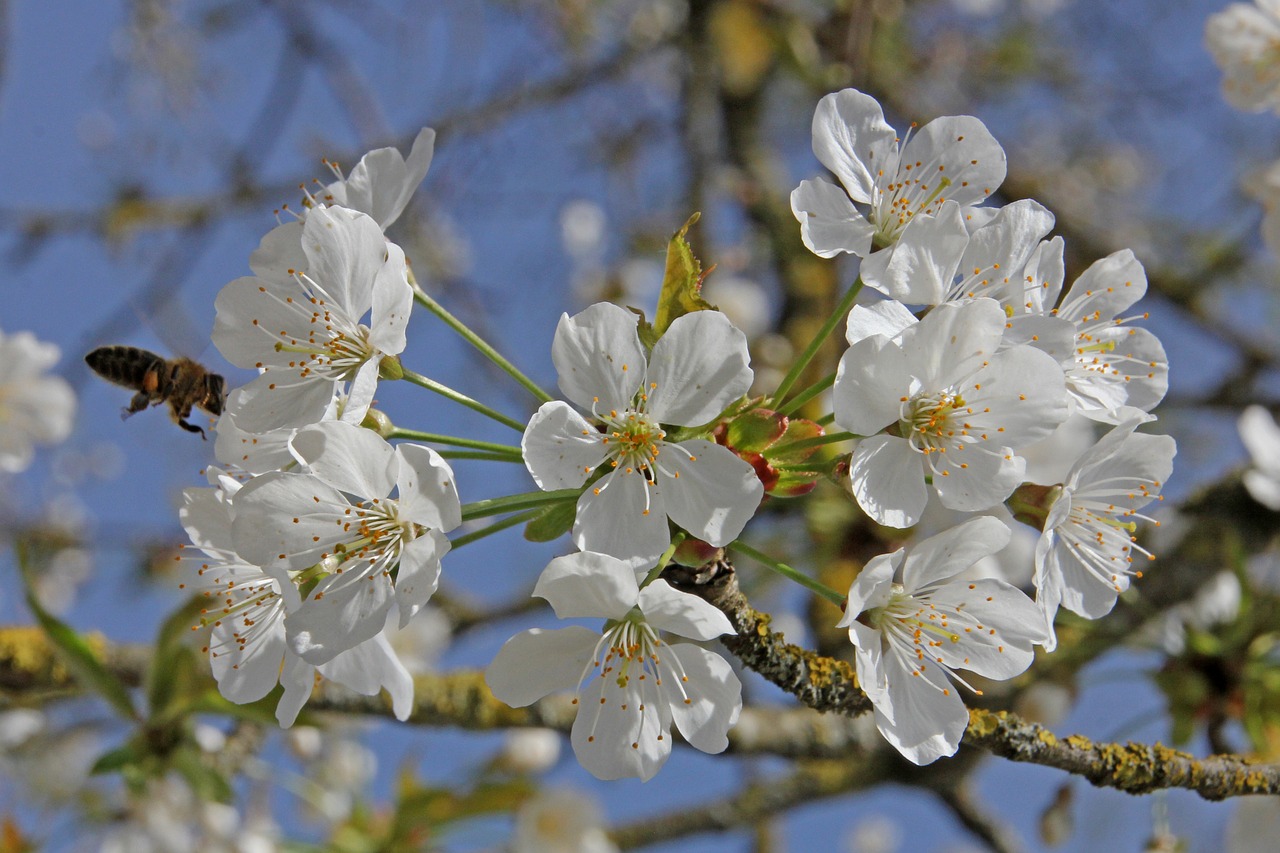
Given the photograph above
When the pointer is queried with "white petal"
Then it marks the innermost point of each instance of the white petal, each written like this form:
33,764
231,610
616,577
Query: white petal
975,477
342,612
872,587
888,480
279,400
625,735
382,183
961,149
368,668
264,530
251,315
597,354
869,662
392,304
279,251
952,341
1019,397
625,517
872,378
709,491
537,663
425,488
996,625
1261,437
887,318
951,552
852,139
360,395
345,251
921,265
247,672
829,223
560,447
1106,288
206,517
706,703
698,367
929,719
419,573
682,613
588,584
298,679
349,458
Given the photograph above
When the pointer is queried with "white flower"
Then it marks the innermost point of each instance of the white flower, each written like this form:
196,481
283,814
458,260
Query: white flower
1084,558
356,557
630,683
1261,436
918,191
697,368
560,821
257,453
956,410
299,319
1245,42
248,610
382,183
1114,372
35,408
910,635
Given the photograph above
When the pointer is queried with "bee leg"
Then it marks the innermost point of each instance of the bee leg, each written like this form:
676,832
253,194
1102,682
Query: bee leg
139,402
180,414
182,422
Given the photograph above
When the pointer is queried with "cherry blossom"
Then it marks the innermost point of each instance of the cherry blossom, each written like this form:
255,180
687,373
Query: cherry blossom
1084,558
952,407
337,534
382,183
299,319
35,407
696,370
913,624
918,191
630,683
1261,435
248,609
1245,42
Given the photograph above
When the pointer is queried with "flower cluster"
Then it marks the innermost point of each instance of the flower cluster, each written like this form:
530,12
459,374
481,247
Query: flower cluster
944,404
328,535
319,537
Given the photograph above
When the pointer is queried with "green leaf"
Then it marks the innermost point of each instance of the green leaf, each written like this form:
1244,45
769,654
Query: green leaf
117,759
681,282
173,677
76,653
206,782
553,522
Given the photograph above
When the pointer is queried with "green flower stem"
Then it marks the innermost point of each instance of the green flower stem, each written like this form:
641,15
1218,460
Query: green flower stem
826,420
512,503
663,560
807,394
480,454
422,298
816,441
811,350
463,399
436,438
509,521
787,572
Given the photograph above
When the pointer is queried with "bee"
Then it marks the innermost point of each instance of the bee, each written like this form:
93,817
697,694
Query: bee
182,383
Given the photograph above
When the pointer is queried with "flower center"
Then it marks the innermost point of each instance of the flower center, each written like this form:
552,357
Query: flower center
632,442
926,419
